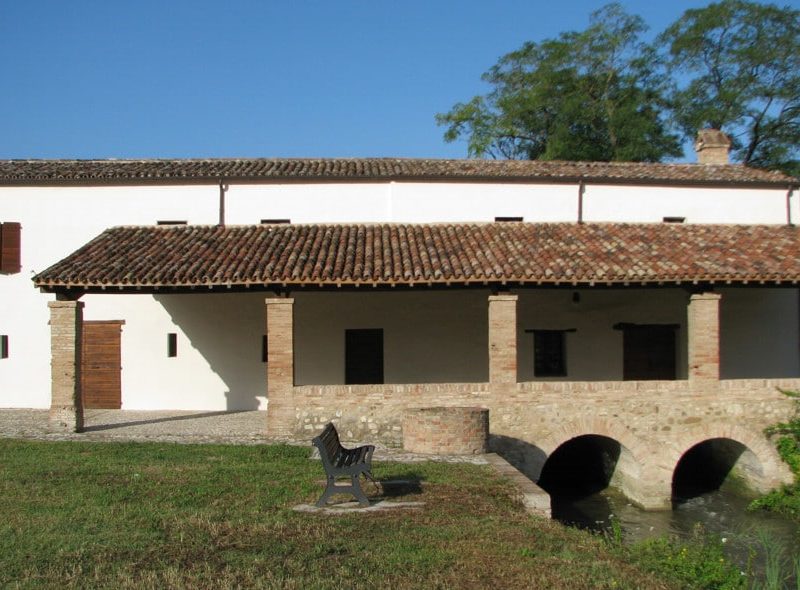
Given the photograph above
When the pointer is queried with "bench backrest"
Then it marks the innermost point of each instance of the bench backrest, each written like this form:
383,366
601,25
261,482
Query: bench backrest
328,443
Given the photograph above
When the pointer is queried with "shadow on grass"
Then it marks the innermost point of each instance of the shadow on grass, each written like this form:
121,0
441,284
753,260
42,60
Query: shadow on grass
404,484
100,427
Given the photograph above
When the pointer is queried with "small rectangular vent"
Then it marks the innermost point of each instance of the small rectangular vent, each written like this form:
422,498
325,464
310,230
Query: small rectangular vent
509,219
171,222
172,345
275,221
673,219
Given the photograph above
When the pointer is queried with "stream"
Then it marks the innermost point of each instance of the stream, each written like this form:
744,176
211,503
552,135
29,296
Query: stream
720,513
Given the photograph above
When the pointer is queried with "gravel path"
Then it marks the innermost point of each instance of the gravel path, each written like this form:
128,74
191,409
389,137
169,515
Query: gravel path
241,428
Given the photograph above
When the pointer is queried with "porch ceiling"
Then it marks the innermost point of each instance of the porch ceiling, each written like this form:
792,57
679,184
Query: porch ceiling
150,258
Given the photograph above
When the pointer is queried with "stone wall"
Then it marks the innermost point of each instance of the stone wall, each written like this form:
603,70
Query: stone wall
655,422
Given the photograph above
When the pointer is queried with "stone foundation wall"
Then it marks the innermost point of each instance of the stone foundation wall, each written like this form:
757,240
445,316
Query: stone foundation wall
655,422
549,413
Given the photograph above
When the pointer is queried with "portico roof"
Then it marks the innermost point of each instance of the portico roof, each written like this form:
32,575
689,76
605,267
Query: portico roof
150,258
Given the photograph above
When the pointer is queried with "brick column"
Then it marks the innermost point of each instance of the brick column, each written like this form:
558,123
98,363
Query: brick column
66,327
280,366
703,335
502,338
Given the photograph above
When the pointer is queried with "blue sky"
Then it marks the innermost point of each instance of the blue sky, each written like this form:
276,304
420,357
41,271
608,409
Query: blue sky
235,78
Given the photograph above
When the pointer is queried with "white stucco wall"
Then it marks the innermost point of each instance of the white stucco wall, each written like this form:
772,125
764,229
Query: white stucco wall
436,337
57,220
594,350
758,330
414,202
697,205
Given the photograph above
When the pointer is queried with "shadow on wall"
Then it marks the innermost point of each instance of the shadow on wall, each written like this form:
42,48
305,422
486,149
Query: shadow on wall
226,330
528,459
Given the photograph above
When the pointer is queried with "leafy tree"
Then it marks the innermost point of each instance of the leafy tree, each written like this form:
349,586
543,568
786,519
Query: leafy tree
739,67
589,95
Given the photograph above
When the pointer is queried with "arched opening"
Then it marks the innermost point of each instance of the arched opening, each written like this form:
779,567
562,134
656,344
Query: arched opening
711,465
580,468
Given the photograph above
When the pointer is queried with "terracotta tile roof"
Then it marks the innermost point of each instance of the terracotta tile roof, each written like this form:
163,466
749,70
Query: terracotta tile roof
264,169
429,254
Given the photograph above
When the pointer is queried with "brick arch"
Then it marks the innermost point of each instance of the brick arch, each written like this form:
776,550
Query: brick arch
596,426
773,471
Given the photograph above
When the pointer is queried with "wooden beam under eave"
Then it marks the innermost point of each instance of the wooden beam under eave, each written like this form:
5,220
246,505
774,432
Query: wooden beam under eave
69,294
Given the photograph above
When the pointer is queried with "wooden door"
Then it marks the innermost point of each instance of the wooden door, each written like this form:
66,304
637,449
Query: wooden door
363,356
101,379
648,352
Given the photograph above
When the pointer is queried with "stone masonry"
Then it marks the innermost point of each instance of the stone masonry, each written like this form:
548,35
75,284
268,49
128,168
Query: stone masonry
655,422
66,406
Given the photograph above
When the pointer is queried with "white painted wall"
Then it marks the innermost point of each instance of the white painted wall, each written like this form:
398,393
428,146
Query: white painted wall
436,337
57,220
758,330
697,205
594,350
413,202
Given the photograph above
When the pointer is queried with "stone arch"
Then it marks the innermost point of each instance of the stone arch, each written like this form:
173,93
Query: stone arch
764,469
628,468
595,426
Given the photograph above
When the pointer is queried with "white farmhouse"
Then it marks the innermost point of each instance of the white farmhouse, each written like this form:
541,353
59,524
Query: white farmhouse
653,304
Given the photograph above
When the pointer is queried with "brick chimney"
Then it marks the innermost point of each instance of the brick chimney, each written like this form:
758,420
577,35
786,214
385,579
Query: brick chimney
712,147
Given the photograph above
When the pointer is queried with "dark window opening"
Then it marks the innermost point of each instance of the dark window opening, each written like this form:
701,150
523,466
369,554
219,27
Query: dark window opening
264,349
363,356
10,247
673,219
172,345
3,346
508,219
171,222
549,353
648,351
275,221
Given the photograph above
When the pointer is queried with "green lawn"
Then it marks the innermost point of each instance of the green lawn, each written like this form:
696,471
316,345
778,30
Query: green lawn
195,516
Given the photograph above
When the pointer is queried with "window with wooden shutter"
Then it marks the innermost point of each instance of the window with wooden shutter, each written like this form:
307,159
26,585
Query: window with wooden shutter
549,358
10,247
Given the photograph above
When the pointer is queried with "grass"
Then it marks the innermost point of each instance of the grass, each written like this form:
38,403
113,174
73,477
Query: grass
202,516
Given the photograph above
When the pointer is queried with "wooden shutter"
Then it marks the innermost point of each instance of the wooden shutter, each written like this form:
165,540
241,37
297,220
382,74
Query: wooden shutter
10,247
648,352
101,379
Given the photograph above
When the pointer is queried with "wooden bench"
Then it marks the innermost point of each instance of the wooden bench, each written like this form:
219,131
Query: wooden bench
341,462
